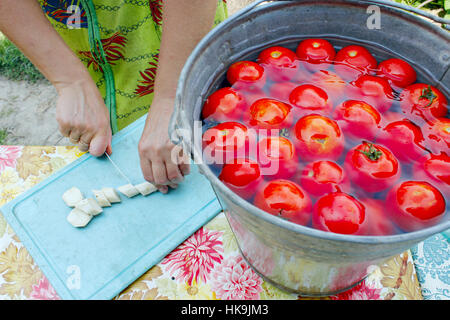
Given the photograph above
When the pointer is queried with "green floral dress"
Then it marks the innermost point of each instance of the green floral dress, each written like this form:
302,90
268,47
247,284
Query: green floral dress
129,32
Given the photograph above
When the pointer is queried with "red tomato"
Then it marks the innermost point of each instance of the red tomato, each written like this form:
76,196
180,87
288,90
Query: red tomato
423,101
329,81
322,177
318,137
414,205
223,105
352,61
269,114
280,63
373,90
318,53
378,221
242,176
437,134
277,157
285,199
398,72
339,212
282,90
358,119
226,141
372,167
436,170
404,138
246,75
311,98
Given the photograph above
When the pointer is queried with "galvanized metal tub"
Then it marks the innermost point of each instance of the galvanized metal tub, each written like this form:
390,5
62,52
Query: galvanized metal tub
294,257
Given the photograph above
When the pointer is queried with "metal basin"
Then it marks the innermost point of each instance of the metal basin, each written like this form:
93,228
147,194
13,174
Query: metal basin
294,257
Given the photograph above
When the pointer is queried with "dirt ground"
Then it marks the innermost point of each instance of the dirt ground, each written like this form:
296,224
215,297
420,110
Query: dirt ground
27,111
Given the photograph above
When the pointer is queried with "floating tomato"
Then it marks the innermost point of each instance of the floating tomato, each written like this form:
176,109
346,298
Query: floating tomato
247,75
318,137
397,71
285,199
372,167
415,205
310,98
224,104
269,113
277,157
242,176
339,212
358,119
280,63
322,177
422,101
435,169
226,141
404,138
353,61
437,135
373,90
317,53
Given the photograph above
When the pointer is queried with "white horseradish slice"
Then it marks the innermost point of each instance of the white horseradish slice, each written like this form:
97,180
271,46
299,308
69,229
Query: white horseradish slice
146,188
72,196
78,218
111,195
89,206
101,198
129,190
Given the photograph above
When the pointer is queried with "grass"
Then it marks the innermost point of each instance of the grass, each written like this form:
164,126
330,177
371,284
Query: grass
14,65
442,6
3,135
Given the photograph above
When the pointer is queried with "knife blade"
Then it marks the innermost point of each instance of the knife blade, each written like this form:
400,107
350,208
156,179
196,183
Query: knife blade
118,169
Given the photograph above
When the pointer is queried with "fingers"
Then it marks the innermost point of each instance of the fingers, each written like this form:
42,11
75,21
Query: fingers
173,172
184,163
99,144
74,136
146,168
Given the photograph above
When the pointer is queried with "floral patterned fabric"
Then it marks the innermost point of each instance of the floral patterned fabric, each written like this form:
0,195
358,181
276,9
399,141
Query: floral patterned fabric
207,265
432,260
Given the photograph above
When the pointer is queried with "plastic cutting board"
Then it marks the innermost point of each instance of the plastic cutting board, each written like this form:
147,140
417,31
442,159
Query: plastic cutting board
123,242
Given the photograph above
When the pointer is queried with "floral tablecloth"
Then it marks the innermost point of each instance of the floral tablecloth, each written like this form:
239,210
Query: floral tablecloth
208,264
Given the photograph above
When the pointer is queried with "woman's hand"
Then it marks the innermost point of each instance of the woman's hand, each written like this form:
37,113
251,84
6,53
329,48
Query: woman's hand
83,116
162,162
81,112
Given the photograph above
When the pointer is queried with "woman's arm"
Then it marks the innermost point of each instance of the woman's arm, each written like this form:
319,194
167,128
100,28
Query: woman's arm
81,112
185,23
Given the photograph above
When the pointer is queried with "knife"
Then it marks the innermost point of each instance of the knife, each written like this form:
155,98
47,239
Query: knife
118,169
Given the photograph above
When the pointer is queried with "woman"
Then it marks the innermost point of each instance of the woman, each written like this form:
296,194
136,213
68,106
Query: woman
144,47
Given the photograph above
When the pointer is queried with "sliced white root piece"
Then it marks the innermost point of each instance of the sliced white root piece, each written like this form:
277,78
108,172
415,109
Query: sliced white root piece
129,190
145,188
89,206
78,218
72,196
111,195
101,198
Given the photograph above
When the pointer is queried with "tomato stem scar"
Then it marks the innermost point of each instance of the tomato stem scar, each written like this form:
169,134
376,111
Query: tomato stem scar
373,153
428,94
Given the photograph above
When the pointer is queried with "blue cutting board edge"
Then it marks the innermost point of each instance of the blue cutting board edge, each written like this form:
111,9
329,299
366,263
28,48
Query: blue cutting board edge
136,267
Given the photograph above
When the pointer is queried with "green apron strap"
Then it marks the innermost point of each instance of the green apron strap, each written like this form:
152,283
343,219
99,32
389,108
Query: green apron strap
98,54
